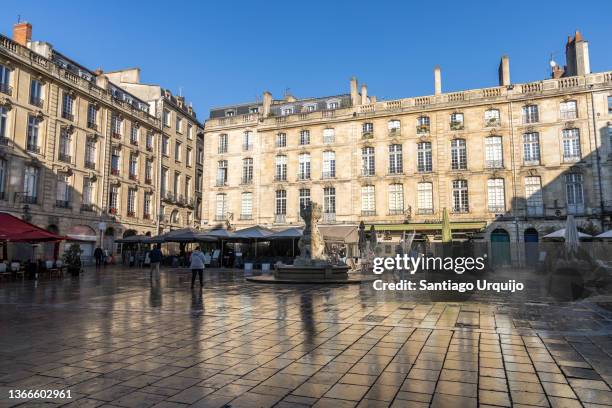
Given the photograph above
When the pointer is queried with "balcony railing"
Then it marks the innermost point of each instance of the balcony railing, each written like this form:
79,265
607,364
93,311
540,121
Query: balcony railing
221,183
4,141
116,135
396,212
134,142
149,148
534,162
33,148
131,214
90,165
497,209
92,125
133,177
456,126
146,216
68,115
494,164
246,180
575,209
492,123
367,134
280,218
368,213
112,210
66,158
246,216
63,204
29,199
280,177
115,172
247,146
148,181
328,174
460,210
329,217
535,210
6,89
421,129
303,177
38,102
87,207
425,211
395,132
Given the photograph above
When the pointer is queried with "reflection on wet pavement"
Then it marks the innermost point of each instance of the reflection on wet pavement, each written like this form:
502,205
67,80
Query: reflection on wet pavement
116,339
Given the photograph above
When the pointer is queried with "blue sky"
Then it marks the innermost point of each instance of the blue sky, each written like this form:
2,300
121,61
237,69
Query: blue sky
222,52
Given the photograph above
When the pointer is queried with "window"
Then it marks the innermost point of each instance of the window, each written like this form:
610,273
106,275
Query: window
177,151
189,131
367,129
166,117
333,105
368,200
30,184
304,197
246,206
281,140
36,96
222,143
131,202
3,178
496,195
568,110
456,121
148,171
179,124
425,198
90,153
575,195
247,170
3,121
199,178
531,114
423,124
230,113
116,126
115,161
533,194
367,161
134,134
88,191
281,168
460,196
286,111
329,164
396,199
164,181
174,217
133,170
222,172
571,144
165,145
113,199
458,154
5,80
395,159
63,191
92,116
67,103
304,166
494,158
176,185
281,202
146,206
394,126
200,157
304,137
187,188
492,117
33,134
531,148
329,135
65,143
329,200
424,157
247,143
188,157
220,207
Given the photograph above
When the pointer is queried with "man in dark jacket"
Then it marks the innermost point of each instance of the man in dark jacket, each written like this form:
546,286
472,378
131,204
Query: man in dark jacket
155,257
99,255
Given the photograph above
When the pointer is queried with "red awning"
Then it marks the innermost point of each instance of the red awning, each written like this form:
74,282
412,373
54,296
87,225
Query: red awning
14,229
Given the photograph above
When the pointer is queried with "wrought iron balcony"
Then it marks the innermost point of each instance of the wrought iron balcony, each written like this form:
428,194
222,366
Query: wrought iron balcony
493,122
456,126
148,181
4,141
496,209
395,132
328,174
146,216
246,216
368,213
329,217
63,204
90,165
116,135
247,146
133,177
422,129
33,149
280,177
425,211
29,199
87,207
6,89
115,172
134,142
68,115
38,102
494,164
247,180
92,125
66,158
396,212
460,210
131,214
221,182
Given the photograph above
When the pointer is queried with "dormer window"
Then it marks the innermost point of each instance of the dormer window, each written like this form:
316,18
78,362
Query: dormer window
456,121
492,117
310,108
230,112
254,109
333,104
287,111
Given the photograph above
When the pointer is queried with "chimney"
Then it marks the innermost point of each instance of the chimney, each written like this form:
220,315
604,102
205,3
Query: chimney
101,80
267,103
504,71
437,80
354,94
22,33
577,56
364,94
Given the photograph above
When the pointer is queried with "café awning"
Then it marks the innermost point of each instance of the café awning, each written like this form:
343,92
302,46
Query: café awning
14,229
255,232
433,226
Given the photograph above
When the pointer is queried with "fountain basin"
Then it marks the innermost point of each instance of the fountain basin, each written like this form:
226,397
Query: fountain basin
311,274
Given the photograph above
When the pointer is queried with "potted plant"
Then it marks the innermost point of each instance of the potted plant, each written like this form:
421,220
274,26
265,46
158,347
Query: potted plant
72,259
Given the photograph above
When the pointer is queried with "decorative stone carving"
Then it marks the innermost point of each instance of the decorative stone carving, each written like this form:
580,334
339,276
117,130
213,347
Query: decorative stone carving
312,247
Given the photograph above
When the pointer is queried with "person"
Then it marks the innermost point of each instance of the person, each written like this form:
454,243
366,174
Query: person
156,257
99,255
197,266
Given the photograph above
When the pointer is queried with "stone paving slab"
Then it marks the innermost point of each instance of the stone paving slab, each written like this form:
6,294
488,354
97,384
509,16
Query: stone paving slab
116,339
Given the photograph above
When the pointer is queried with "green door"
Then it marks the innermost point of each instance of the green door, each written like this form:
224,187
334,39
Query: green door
500,247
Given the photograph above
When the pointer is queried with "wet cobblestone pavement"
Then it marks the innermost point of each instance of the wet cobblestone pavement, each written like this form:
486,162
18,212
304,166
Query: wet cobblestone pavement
116,340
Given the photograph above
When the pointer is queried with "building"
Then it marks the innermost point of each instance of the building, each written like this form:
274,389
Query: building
508,161
78,153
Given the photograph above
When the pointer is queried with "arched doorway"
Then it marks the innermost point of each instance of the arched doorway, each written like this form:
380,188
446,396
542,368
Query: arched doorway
129,233
531,238
86,238
500,247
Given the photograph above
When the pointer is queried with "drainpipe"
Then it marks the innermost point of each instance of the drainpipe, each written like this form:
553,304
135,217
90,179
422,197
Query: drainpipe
514,187
598,158
159,160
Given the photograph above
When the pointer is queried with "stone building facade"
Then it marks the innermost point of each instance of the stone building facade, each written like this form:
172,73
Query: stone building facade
513,159
78,152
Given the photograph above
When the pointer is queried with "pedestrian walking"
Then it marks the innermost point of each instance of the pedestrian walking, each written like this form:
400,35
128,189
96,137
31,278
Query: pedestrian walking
156,257
197,266
99,256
